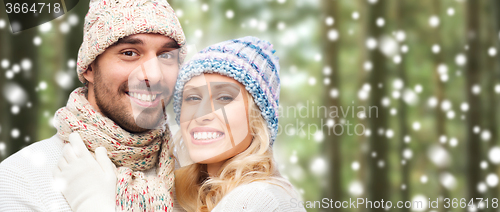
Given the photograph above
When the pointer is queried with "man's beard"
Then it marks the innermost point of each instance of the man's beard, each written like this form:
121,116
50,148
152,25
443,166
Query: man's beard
110,106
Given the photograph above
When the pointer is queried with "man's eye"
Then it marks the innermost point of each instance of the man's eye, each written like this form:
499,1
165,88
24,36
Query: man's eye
129,53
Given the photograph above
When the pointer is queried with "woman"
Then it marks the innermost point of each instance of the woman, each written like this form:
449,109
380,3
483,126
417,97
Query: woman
226,103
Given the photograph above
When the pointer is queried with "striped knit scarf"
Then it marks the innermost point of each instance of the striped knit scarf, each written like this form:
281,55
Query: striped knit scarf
131,153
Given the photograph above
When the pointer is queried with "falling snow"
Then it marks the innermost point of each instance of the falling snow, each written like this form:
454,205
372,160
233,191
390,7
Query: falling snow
482,187
371,43
436,48
453,142
15,133
355,15
73,20
380,22
368,66
483,164
334,93
485,135
355,166
329,21
416,126
333,35
450,11
356,188
37,41
47,26
424,179
460,59
407,154
434,21
389,46
14,93
492,51
492,180
494,155
230,14
448,180
318,166
476,89
438,155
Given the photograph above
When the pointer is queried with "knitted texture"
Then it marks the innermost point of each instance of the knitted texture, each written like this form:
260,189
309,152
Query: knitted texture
249,61
260,196
109,20
131,153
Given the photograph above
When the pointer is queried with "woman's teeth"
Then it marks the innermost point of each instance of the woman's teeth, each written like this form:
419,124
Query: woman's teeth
206,135
144,97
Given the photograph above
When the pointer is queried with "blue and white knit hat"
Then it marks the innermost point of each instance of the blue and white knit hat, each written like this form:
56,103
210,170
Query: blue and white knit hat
249,61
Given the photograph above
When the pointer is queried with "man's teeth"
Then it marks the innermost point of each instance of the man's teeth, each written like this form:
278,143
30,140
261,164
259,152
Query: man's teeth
143,97
206,135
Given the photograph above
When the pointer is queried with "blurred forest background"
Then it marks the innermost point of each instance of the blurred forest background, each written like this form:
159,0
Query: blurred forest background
429,68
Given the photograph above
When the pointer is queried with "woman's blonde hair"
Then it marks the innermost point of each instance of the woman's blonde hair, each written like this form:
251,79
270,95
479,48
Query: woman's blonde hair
196,191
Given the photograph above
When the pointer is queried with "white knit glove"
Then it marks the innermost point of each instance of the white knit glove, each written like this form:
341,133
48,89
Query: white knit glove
88,184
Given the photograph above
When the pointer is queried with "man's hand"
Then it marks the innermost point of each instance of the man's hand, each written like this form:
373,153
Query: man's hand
88,184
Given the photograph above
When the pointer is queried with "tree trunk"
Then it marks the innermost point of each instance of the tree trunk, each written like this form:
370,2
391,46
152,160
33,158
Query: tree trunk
493,77
439,92
378,185
333,190
402,114
473,73
5,34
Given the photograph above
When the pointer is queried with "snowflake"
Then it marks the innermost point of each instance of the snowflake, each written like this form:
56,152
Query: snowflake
492,51
333,35
380,22
460,59
450,11
448,180
329,21
436,48
355,15
229,14
73,20
37,41
47,26
492,180
434,21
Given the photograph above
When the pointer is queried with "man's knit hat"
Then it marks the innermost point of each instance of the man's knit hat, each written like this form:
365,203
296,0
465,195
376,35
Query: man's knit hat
109,20
249,61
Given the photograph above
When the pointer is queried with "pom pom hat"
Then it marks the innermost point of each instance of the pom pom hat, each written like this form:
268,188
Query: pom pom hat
109,20
249,61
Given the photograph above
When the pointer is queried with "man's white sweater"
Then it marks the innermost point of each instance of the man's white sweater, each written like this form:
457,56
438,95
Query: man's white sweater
26,180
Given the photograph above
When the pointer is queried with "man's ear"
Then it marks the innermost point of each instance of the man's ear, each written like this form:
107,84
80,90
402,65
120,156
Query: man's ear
90,73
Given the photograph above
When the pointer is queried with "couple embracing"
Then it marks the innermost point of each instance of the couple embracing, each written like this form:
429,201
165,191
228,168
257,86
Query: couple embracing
113,150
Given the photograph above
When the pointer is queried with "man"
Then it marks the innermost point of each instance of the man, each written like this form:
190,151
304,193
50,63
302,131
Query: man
128,62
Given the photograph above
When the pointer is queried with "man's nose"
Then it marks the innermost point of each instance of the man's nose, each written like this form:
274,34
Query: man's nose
151,71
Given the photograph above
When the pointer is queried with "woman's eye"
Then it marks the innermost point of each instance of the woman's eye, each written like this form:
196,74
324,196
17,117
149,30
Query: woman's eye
226,98
129,53
167,55
192,98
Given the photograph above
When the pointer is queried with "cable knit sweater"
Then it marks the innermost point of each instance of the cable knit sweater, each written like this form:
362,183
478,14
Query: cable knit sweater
258,196
27,183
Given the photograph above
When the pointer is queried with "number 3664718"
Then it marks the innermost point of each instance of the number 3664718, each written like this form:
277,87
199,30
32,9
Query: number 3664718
33,8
